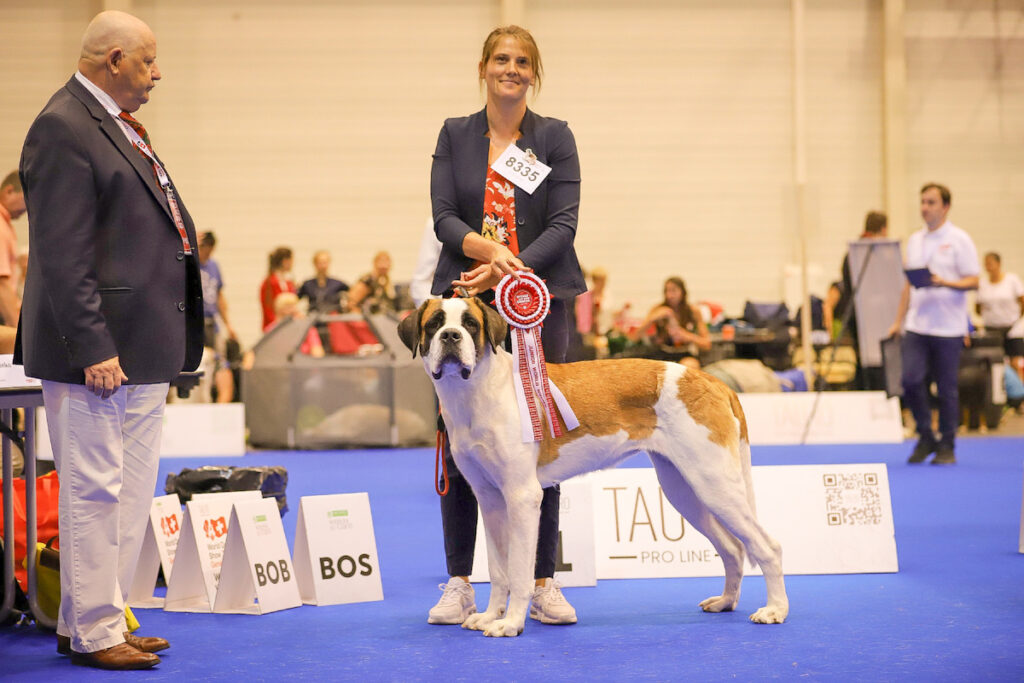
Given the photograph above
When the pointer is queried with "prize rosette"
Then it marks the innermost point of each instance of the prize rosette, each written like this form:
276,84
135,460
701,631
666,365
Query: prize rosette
524,302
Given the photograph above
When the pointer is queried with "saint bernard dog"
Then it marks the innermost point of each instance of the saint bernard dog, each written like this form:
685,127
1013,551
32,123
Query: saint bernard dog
689,423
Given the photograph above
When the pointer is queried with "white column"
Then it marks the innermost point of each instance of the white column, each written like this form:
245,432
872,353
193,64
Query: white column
800,174
894,119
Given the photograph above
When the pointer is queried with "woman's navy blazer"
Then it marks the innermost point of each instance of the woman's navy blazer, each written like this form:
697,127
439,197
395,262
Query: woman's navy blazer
545,220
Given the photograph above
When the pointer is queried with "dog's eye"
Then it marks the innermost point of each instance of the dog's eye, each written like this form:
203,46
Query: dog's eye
433,324
471,325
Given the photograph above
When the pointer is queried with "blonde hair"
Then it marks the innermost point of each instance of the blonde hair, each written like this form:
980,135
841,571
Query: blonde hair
526,42
285,302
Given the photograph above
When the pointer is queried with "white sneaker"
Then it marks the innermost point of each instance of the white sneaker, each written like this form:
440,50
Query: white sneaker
549,606
457,602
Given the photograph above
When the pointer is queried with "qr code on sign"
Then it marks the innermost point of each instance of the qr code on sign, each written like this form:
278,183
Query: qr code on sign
852,499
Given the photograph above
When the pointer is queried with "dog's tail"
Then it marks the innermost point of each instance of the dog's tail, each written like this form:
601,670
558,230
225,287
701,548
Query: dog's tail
744,447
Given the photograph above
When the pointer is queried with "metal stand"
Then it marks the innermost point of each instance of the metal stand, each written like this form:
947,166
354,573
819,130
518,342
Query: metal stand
27,398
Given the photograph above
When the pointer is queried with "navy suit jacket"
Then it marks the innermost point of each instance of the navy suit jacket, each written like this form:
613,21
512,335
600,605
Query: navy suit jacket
545,220
107,273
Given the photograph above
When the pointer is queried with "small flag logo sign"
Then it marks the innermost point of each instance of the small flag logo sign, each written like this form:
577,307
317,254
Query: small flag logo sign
260,518
337,513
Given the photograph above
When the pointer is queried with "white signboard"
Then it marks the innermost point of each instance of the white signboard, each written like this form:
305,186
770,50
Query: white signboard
13,376
206,429
192,585
203,429
830,519
257,575
574,565
834,416
158,549
336,557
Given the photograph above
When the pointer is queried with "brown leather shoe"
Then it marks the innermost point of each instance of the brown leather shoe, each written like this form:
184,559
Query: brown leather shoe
140,644
119,658
146,644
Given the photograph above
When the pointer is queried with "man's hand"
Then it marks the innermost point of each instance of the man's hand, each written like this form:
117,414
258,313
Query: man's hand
894,330
105,378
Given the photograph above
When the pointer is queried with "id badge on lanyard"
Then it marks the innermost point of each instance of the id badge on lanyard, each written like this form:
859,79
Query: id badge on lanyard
164,180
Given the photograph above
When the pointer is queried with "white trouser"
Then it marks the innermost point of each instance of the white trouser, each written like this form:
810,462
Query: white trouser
107,452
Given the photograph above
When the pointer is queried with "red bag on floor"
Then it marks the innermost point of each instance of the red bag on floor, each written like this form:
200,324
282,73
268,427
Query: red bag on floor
47,524
346,336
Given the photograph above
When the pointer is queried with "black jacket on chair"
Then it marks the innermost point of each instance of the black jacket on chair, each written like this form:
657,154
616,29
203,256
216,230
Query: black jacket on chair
545,220
107,273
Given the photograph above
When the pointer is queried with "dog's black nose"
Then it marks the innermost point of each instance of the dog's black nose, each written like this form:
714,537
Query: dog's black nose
451,336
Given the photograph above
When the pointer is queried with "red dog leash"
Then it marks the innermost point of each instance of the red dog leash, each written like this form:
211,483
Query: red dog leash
440,463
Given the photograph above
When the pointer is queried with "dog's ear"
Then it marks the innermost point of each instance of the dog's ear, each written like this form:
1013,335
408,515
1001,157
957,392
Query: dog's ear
409,330
495,327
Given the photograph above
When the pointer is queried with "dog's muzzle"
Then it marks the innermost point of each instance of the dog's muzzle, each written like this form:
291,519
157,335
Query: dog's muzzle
451,348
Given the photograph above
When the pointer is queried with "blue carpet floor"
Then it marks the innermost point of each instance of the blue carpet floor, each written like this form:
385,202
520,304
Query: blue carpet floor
952,613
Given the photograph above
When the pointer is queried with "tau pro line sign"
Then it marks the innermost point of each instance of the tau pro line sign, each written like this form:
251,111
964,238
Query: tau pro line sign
830,519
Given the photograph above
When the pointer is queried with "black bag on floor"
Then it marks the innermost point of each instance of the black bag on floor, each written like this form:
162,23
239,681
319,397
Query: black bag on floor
271,481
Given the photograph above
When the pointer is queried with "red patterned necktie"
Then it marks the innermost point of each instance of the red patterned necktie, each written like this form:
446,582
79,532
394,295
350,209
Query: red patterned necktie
136,126
141,130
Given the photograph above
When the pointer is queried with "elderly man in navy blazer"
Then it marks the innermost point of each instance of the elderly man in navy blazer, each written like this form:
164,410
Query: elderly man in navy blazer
112,312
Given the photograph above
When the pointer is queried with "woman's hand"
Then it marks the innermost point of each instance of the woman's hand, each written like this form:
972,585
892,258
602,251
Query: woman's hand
679,335
504,262
487,275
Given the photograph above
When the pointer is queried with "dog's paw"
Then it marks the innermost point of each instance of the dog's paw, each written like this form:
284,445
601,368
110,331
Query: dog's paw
503,628
719,603
770,615
479,621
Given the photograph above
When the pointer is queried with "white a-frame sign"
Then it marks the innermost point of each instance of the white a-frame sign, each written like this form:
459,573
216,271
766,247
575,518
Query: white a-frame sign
257,575
335,550
158,549
192,585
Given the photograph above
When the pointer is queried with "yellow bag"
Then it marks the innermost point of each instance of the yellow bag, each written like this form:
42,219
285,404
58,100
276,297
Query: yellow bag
48,585
841,370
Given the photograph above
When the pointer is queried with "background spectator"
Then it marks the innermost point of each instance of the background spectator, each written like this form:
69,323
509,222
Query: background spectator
426,263
936,323
286,306
840,298
12,206
374,293
675,328
1001,305
278,280
215,310
323,292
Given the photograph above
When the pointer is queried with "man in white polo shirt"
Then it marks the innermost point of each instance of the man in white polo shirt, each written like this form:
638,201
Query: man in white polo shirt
934,320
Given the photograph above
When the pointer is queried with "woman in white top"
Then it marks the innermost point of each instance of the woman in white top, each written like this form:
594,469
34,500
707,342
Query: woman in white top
1001,304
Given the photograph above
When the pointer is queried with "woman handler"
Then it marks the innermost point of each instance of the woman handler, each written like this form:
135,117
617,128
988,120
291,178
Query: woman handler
489,227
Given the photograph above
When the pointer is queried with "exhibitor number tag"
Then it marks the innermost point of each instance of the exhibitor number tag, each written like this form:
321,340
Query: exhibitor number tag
521,168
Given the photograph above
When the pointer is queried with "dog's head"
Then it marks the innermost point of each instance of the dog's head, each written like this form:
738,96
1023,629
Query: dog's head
452,334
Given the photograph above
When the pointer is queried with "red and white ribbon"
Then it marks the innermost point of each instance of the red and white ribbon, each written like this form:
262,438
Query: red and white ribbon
524,303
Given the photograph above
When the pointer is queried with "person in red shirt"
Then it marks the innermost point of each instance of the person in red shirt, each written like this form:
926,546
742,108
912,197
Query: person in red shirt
278,280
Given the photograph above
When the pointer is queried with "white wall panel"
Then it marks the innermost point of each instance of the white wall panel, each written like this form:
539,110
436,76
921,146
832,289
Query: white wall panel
311,124
965,111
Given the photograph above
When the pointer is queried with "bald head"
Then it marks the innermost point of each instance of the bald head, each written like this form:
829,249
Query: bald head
112,29
119,56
